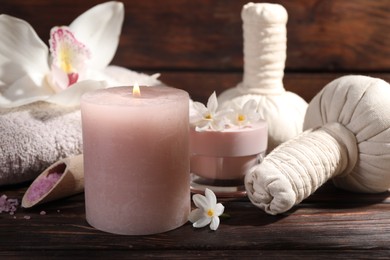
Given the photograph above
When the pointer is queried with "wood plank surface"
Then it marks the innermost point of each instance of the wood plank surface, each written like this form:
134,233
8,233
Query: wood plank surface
330,222
331,35
201,84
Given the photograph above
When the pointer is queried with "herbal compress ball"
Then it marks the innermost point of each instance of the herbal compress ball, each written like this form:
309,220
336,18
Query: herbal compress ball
265,39
347,139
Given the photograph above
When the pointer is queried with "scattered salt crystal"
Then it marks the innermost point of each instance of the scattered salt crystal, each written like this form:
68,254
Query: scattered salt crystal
42,212
8,205
27,217
58,211
43,185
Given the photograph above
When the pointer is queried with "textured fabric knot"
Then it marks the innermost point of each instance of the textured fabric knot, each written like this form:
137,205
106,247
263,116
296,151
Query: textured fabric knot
348,146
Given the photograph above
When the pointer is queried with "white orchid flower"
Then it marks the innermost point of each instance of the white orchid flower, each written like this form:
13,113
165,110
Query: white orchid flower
76,62
245,115
209,117
208,210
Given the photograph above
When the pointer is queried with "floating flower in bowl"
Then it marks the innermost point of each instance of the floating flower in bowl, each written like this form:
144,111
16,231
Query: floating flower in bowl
41,86
225,144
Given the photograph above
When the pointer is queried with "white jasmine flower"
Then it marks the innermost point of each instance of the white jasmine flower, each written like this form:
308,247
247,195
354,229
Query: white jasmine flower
209,117
208,210
76,62
245,115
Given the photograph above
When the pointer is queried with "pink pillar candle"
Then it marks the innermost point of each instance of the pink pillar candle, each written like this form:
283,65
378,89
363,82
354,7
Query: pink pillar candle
227,154
136,159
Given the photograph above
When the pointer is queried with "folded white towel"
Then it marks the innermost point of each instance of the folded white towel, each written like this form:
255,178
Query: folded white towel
34,136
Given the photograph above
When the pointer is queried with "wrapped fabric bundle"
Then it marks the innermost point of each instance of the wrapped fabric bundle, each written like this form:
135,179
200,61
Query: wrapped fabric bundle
347,139
265,39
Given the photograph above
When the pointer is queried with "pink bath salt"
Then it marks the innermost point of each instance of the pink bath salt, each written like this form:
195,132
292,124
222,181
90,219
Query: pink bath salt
8,205
42,212
27,217
42,186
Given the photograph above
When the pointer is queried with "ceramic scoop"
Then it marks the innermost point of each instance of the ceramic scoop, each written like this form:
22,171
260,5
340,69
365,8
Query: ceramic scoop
62,179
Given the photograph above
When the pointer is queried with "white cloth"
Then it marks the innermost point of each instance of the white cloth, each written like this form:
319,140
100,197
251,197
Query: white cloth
362,105
265,38
347,139
34,136
265,41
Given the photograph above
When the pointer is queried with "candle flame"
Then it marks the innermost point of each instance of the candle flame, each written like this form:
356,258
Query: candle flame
136,90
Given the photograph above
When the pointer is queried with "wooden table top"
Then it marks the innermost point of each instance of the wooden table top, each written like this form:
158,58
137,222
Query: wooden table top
331,222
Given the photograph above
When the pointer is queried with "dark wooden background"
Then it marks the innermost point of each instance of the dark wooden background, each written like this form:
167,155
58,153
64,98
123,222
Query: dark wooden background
197,45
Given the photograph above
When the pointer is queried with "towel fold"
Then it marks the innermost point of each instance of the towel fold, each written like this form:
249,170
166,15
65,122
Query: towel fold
34,136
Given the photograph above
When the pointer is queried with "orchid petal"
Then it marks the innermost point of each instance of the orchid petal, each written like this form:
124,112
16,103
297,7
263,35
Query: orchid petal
69,57
100,28
128,77
21,50
214,223
200,201
202,222
58,79
195,215
116,76
71,96
28,89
